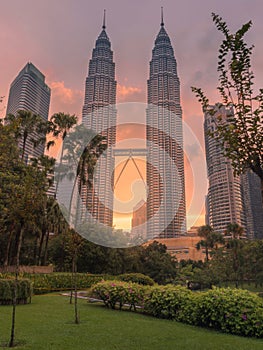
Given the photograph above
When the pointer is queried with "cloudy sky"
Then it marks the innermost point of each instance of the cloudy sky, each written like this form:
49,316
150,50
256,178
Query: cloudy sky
58,37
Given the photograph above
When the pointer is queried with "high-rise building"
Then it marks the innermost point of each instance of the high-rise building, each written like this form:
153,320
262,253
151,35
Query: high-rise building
29,92
166,213
139,216
251,187
224,200
99,114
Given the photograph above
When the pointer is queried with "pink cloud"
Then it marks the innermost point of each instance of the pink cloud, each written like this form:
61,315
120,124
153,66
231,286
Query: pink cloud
65,94
129,94
65,99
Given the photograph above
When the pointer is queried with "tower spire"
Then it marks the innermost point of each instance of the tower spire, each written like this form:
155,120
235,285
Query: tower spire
104,20
162,22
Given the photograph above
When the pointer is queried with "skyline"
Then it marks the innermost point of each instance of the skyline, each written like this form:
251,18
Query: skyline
64,56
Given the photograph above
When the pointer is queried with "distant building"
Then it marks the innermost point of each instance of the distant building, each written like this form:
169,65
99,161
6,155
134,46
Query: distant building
251,187
225,202
166,211
183,248
29,92
139,218
193,231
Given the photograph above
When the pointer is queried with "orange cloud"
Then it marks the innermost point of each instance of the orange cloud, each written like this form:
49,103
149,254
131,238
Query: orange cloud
129,93
65,94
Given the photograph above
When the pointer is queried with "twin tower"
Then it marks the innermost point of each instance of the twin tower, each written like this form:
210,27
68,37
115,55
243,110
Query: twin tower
166,212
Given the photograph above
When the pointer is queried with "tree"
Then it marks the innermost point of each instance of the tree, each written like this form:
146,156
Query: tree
158,264
22,193
234,230
82,151
211,239
29,127
234,246
241,135
61,125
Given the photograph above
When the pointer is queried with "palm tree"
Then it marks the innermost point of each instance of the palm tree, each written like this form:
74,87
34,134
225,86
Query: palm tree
45,165
211,239
234,230
30,127
61,125
80,161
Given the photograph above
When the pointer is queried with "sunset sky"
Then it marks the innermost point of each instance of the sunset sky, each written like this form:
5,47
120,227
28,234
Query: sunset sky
58,37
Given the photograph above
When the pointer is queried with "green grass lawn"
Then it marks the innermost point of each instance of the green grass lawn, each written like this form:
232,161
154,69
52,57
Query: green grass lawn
48,324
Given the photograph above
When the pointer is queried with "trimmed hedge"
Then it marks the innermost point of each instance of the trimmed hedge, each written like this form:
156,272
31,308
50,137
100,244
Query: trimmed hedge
7,288
234,311
55,282
136,278
62,281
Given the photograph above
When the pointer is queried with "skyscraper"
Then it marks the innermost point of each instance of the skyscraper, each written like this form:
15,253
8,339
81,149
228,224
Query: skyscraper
225,200
166,213
29,92
99,114
251,189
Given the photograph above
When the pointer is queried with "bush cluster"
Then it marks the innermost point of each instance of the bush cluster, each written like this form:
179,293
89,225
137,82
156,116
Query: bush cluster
7,288
62,281
136,278
228,310
234,311
120,293
172,302
54,282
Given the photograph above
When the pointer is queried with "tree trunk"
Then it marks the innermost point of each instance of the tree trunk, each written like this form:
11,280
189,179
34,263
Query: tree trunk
12,336
41,246
72,281
72,221
6,261
23,148
60,162
206,253
46,247
36,251
75,289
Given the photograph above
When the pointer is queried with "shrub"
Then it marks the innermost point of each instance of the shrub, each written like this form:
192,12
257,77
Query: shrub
171,302
7,287
234,311
136,278
118,292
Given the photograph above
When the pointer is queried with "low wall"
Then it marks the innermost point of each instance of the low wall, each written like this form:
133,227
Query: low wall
27,269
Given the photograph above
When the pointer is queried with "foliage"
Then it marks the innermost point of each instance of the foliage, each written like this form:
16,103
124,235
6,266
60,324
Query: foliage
24,290
241,135
232,311
153,260
136,278
46,283
30,128
158,264
210,239
118,292
171,302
